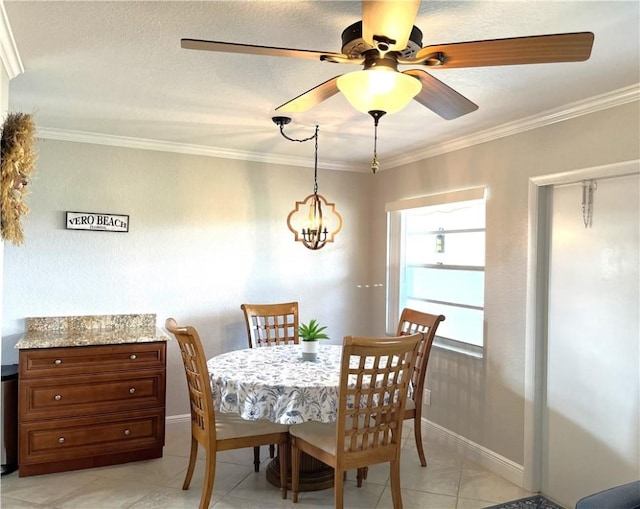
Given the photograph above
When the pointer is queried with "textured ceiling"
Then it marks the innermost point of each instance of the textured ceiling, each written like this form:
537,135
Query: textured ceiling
117,69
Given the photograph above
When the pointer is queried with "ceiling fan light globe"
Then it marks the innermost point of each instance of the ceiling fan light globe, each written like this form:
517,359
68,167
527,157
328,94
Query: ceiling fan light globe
378,89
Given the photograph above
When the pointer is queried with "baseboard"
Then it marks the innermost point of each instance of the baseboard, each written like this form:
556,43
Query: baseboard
484,457
175,419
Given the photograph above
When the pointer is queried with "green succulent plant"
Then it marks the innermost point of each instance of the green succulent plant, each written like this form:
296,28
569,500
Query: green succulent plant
312,331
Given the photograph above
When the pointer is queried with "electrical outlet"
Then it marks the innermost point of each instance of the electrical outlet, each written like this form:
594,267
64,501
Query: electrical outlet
426,397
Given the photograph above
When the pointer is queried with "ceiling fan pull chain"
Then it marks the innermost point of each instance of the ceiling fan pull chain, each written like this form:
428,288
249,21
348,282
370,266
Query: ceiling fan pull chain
377,115
374,163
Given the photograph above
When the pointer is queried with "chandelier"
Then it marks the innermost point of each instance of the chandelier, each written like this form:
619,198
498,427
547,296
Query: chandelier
314,221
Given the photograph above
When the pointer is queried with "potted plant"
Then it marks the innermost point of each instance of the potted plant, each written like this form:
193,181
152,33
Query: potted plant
310,334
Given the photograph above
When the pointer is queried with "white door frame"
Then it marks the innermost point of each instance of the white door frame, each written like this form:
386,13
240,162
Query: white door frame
535,326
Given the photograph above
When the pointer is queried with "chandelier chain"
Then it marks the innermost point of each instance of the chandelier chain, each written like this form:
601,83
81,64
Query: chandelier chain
314,136
315,164
301,140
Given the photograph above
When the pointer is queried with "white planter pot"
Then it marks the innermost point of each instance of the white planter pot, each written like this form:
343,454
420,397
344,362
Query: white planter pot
309,350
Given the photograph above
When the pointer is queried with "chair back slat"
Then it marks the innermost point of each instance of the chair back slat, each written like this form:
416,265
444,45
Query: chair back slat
271,324
195,367
375,374
412,321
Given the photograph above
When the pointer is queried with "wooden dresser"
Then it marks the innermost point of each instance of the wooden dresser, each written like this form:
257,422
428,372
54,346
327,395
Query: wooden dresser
91,392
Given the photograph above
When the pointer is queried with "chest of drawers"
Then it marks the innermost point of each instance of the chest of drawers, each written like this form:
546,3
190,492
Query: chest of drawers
88,406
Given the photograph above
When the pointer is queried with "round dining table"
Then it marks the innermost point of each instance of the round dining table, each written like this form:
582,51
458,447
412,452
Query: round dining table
274,383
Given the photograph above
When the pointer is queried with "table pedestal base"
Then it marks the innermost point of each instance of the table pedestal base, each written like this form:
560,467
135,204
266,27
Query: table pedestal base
314,475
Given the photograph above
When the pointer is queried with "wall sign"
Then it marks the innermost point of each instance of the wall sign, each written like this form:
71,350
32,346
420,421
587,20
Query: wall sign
97,221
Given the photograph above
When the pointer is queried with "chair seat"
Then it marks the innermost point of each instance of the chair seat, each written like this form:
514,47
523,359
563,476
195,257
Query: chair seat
320,434
233,426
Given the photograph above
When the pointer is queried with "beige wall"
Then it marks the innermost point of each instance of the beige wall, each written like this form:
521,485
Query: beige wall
4,105
205,236
482,400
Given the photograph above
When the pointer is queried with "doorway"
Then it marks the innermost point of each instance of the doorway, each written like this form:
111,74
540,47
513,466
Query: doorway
583,339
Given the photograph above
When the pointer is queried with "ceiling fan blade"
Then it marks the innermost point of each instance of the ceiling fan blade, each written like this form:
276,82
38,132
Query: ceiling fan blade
537,49
310,98
440,98
391,19
250,49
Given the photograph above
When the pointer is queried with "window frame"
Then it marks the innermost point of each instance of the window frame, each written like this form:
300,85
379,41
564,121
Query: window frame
396,231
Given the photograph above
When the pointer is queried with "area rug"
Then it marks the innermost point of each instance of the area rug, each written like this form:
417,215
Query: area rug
535,502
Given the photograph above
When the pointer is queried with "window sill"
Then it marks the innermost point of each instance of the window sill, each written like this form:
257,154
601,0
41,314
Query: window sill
459,347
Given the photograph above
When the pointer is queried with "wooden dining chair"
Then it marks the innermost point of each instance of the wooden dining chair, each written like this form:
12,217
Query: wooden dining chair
270,325
220,432
412,321
374,378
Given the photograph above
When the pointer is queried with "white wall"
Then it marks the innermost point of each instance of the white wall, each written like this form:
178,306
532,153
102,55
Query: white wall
205,236
483,399
598,336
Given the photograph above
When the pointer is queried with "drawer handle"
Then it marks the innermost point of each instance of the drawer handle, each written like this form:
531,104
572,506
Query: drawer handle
127,432
133,356
57,397
58,361
132,390
61,440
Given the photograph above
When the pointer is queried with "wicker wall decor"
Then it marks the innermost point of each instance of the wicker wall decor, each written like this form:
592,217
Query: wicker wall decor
17,161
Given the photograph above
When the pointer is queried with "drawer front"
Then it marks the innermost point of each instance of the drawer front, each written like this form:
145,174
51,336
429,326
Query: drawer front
76,360
64,439
90,395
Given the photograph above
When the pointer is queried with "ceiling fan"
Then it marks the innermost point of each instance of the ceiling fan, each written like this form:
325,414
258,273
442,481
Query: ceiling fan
386,38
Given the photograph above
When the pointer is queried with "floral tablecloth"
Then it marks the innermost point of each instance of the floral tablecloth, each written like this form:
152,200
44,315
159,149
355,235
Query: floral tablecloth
275,383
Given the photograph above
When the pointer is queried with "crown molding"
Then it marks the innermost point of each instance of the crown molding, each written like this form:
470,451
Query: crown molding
609,100
600,102
8,49
179,148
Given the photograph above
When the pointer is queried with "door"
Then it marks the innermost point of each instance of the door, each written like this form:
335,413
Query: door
591,434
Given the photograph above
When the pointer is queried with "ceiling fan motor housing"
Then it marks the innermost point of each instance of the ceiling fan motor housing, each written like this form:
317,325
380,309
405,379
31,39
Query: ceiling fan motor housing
354,46
372,59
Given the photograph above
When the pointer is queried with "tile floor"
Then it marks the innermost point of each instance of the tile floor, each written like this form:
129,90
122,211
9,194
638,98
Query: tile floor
448,482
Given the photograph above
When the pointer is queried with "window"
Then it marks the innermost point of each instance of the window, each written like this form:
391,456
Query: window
435,264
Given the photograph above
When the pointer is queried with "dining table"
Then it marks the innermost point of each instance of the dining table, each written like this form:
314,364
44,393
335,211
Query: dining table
275,383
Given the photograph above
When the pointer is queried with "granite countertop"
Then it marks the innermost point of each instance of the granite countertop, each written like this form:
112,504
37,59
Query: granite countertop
64,331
